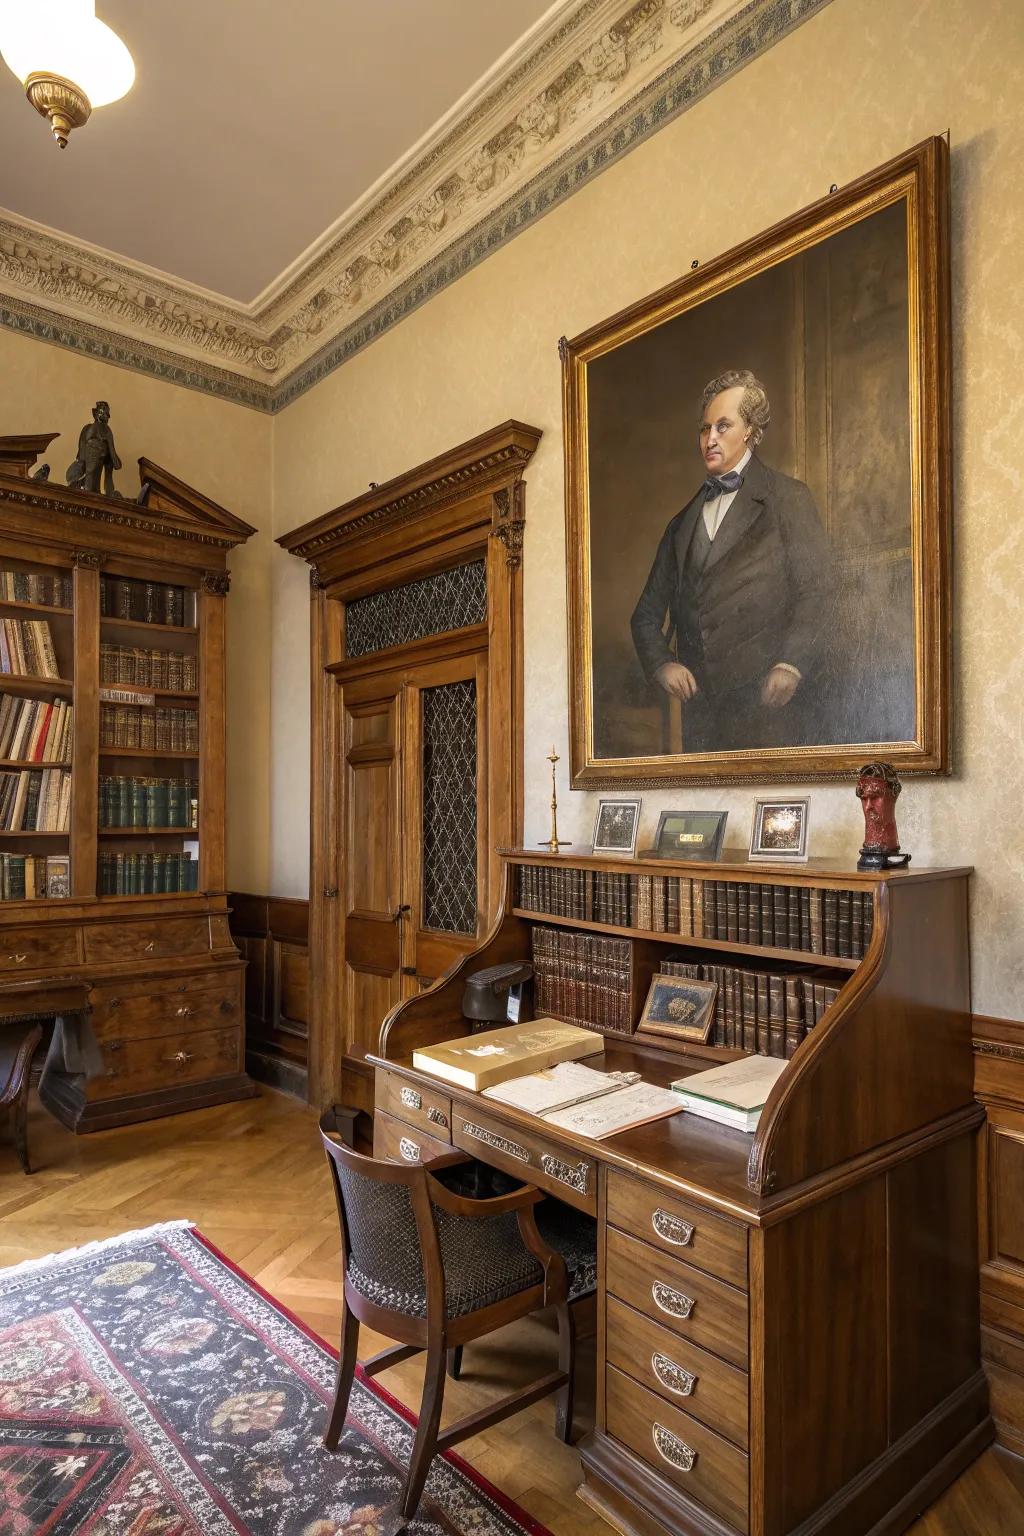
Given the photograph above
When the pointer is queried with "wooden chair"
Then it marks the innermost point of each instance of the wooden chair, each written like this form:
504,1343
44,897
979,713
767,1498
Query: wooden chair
436,1270
18,1042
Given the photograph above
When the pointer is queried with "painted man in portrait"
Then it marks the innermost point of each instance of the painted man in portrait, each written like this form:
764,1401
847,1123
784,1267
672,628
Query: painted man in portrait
743,576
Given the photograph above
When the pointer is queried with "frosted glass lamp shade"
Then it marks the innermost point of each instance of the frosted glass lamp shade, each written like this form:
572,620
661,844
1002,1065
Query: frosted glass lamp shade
62,41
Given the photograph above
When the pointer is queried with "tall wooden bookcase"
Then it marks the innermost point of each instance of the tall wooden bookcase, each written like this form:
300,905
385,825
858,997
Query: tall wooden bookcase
167,980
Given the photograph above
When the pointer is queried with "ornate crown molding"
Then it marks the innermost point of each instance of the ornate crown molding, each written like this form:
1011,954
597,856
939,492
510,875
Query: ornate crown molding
601,77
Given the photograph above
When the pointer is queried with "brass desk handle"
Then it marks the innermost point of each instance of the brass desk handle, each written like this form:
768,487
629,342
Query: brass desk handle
18,959
437,1116
181,1058
670,1301
409,1150
183,1013
673,1450
150,946
672,1228
411,1099
673,1376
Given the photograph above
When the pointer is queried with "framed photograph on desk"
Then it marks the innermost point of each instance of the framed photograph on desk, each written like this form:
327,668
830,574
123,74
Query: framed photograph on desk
778,833
678,1008
690,834
616,826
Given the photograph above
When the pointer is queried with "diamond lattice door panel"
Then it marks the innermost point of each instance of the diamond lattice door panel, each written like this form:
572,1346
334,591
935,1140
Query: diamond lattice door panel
450,807
435,605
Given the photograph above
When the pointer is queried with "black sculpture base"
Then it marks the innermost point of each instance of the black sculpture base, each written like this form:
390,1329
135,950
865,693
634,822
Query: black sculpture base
881,858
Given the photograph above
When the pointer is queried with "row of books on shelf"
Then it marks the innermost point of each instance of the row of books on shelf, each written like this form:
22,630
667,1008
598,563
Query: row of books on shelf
34,800
34,730
144,602
583,976
52,589
808,918
147,874
146,802
767,1012
29,877
26,648
174,671
161,730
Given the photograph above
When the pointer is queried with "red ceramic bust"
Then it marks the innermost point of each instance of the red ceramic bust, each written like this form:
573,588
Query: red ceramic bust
877,790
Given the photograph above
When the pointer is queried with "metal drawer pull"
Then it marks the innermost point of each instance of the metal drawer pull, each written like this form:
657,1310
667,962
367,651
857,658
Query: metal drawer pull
183,1013
675,1451
499,1143
573,1174
181,1058
672,1228
437,1116
673,1376
18,959
409,1150
150,946
411,1099
670,1301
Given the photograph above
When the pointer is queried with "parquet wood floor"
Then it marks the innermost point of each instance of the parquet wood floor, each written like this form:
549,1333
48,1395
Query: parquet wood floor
253,1179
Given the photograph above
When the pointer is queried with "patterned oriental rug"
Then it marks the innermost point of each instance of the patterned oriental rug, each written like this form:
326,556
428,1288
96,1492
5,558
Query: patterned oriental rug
149,1388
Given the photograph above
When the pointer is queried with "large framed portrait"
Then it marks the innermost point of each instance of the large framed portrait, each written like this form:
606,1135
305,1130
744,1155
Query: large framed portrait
757,503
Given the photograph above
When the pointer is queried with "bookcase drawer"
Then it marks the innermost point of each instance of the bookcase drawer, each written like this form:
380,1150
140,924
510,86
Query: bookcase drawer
26,949
421,1107
685,1452
145,1066
677,1370
394,1139
161,1006
553,1168
147,940
677,1296
678,1227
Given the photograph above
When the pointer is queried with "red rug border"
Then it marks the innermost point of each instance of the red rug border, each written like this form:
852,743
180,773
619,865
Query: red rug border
515,1511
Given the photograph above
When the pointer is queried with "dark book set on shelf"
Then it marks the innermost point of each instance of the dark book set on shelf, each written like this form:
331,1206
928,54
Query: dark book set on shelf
121,669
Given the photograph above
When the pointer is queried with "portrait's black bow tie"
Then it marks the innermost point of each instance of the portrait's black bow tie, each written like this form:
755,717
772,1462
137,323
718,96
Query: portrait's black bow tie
722,485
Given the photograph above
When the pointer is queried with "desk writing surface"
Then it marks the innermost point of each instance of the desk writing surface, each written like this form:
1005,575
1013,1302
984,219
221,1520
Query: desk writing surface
690,1153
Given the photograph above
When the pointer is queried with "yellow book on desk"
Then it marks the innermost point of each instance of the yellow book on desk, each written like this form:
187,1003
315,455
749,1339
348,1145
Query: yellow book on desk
494,1055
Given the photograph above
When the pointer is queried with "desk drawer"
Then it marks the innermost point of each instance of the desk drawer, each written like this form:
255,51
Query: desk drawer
26,949
533,1159
677,1296
141,940
690,1456
394,1139
692,1380
678,1227
144,1066
166,1005
421,1107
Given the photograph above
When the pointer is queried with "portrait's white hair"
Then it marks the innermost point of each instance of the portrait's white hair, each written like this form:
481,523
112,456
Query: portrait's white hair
753,406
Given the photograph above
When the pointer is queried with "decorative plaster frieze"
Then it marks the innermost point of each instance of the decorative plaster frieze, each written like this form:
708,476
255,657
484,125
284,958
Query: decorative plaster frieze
599,81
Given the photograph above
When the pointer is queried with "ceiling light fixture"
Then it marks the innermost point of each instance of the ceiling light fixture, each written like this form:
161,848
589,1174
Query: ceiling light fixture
67,60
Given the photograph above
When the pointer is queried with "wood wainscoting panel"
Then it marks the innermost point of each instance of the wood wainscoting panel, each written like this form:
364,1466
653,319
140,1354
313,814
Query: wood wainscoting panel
272,933
999,1085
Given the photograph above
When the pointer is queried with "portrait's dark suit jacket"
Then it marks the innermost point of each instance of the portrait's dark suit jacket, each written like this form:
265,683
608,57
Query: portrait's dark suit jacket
760,597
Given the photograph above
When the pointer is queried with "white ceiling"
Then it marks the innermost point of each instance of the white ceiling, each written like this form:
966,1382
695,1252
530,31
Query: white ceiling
252,125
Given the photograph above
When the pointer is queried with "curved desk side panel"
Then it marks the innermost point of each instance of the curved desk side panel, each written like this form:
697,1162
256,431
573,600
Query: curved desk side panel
894,1054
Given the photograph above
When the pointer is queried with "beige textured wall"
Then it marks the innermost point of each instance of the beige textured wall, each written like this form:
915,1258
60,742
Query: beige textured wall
225,452
850,89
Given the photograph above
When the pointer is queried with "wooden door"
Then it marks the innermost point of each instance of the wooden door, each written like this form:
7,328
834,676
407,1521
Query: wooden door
414,831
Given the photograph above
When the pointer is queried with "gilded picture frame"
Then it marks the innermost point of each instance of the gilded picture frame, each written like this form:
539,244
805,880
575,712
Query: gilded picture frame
790,619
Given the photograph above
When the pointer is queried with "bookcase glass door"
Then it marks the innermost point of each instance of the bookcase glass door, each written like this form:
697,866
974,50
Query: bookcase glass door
37,721
149,707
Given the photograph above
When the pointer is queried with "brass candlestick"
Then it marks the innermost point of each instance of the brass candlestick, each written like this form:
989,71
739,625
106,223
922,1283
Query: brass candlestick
554,842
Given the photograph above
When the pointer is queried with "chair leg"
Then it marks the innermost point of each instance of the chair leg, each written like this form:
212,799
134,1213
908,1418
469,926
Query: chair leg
426,1435
346,1374
21,1128
455,1362
566,1362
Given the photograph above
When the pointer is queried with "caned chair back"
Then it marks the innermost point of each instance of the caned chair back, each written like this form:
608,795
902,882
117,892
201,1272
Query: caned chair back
389,1243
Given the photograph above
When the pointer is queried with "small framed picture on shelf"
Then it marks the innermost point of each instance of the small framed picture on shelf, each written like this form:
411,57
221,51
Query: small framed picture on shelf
616,826
690,835
779,831
679,1008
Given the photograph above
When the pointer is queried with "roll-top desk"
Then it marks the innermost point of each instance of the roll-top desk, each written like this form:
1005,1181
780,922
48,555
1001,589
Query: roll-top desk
788,1336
